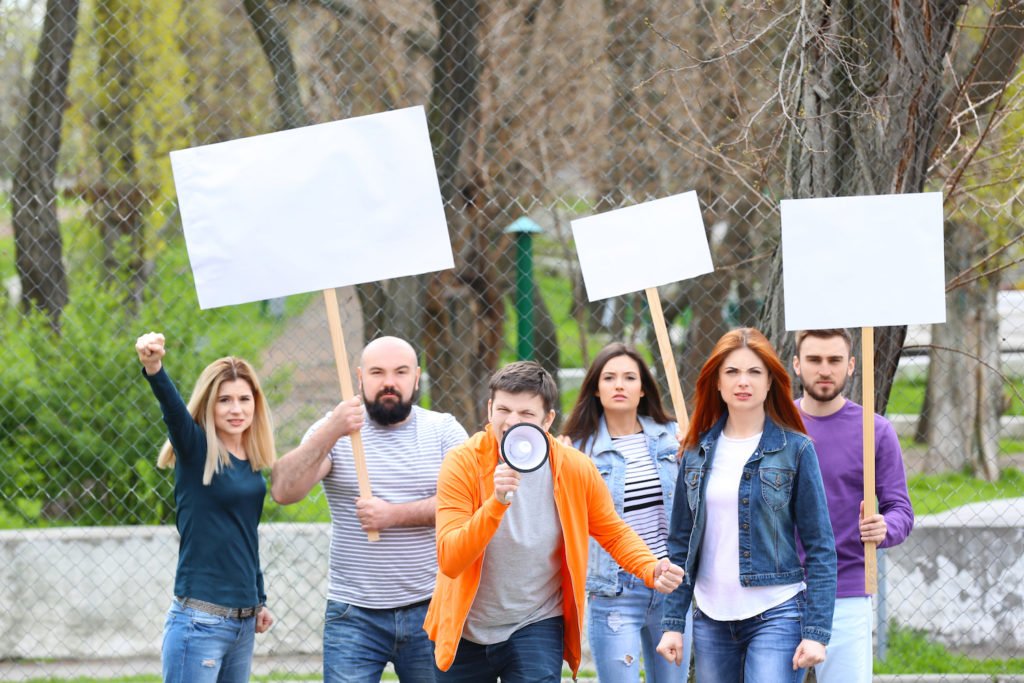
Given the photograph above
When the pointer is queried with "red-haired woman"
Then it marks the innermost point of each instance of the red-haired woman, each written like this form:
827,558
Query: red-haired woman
750,487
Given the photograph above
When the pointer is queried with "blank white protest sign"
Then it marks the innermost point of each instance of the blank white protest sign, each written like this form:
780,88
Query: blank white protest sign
863,261
312,208
646,245
639,248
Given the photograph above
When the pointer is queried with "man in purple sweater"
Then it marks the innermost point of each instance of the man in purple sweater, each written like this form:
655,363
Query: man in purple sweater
823,363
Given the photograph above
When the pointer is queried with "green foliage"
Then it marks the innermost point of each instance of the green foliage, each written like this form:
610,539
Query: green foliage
934,493
311,509
79,428
912,652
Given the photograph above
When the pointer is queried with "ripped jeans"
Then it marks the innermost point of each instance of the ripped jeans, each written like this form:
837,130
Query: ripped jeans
206,648
625,630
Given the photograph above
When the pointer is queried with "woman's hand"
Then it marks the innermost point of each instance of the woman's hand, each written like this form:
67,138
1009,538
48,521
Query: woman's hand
671,647
564,440
264,620
808,653
150,348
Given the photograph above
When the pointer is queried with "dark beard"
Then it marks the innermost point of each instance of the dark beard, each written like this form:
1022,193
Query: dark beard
837,389
386,414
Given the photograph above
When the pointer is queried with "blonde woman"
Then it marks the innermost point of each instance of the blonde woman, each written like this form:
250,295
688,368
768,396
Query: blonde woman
217,445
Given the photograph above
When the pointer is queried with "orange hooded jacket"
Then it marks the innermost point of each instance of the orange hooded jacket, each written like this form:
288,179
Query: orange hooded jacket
468,515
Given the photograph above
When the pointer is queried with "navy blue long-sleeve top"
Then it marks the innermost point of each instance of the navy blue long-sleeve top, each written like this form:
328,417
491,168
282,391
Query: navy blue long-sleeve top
218,554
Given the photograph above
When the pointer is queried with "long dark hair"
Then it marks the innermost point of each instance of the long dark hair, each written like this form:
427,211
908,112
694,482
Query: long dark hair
585,418
708,405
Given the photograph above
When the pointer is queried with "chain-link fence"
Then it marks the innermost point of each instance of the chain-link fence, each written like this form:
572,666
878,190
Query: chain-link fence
551,110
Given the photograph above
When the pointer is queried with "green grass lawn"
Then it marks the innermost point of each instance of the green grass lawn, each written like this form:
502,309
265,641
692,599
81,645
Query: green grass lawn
932,493
907,397
912,652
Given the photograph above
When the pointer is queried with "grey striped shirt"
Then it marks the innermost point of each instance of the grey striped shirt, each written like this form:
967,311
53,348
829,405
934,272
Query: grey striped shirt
402,462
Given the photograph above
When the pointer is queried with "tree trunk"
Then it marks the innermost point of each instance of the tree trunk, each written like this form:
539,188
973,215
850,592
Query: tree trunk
960,420
273,40
464,311
37,239
963,399
118,199
862,121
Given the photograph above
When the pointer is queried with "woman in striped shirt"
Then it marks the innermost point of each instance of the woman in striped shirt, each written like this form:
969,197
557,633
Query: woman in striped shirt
620,423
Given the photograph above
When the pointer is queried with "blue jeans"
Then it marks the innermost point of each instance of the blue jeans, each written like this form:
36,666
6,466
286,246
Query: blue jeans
623,627
533,654
205,648
359,643
849,652
760,648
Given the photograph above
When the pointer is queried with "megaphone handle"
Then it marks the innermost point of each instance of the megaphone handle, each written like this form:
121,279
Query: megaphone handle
509,496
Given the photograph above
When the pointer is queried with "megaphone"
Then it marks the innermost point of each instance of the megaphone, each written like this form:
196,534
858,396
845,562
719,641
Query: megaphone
524,447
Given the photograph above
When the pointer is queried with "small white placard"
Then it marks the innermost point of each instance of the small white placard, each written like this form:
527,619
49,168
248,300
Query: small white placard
646,245
863,261
312,208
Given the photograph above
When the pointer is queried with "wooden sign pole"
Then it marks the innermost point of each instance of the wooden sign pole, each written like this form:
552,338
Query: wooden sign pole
668,361
347,392
867,352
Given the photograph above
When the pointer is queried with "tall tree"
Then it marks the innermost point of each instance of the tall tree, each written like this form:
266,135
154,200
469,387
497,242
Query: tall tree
37,238
862,111
963,398
118,198
273,39
464,313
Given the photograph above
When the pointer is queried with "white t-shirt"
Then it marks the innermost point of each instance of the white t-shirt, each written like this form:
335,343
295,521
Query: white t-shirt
718,592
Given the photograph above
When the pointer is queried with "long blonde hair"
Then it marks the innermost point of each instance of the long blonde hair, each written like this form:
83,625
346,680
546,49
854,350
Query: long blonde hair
258,439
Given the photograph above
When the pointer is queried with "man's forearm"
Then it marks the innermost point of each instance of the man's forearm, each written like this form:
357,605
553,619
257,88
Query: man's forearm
417,513
295,474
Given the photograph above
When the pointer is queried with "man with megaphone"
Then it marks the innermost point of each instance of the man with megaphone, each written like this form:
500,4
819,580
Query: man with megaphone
515,510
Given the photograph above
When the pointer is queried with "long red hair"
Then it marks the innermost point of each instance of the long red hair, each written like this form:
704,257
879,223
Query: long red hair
708,405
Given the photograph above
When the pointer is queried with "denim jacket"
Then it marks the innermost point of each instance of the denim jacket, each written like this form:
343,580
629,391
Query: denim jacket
602,570
780,496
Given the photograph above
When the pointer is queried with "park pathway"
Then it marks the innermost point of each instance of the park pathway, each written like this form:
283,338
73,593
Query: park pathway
303,352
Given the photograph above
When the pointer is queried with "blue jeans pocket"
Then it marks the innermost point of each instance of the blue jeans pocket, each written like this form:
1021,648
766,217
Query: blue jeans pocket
337,611
204,619
791,609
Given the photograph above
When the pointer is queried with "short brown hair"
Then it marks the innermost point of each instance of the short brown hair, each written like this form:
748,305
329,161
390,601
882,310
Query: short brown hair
526,377
841,332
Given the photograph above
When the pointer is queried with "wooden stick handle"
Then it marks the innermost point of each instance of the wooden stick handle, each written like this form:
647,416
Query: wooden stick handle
867,352
347,392
668,361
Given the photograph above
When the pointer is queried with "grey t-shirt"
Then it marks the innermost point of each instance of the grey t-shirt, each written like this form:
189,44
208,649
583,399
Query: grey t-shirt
521,582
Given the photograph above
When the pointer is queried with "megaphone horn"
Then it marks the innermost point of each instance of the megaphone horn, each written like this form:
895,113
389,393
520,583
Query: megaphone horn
524,447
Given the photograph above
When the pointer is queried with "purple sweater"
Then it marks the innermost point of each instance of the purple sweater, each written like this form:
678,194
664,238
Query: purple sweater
838,440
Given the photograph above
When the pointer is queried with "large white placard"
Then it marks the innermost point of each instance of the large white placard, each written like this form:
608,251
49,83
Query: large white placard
312,208
863,261
646,245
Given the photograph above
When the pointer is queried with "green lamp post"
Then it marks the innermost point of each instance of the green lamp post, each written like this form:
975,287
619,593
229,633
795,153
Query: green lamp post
524,229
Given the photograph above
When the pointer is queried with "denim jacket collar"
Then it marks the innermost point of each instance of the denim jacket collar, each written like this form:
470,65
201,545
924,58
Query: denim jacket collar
602,440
